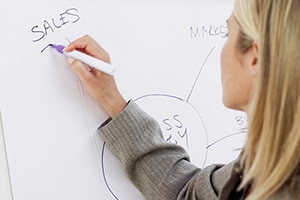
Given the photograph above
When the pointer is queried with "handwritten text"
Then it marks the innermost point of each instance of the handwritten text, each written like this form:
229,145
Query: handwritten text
40,31
208,31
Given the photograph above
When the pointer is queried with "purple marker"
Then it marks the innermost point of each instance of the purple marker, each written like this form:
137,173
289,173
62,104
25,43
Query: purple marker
89,60
59,48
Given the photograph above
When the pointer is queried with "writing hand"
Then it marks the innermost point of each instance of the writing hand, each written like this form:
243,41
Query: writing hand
102,87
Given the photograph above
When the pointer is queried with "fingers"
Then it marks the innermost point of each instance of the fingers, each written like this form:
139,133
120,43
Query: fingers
82,70
100,86
89,46
80,43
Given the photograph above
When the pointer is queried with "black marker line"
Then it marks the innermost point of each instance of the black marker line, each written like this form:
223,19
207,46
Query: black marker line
45,48
103,173
197,77
50,45
242,131
164,95
68,40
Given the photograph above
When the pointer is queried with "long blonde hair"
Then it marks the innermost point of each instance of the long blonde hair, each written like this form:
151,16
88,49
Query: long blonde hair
271,159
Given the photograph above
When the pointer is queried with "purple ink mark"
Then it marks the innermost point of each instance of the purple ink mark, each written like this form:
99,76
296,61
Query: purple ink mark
59,48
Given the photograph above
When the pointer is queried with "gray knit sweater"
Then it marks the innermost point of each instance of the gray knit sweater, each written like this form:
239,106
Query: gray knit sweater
161,170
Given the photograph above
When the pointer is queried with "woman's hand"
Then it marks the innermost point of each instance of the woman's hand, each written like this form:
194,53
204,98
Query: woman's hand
100,86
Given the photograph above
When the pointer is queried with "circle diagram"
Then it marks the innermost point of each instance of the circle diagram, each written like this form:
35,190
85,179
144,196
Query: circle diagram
180,123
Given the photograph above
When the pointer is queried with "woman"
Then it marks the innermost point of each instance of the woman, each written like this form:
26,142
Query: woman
260,75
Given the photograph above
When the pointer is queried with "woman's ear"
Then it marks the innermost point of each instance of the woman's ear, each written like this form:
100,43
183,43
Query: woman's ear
252,58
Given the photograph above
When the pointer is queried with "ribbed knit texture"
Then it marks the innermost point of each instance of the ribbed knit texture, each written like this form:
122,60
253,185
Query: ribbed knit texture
160,170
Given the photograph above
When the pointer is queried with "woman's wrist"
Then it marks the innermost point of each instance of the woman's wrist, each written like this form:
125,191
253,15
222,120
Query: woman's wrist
114,105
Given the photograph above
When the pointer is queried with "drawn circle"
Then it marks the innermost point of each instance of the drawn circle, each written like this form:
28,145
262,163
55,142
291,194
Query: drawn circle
180,122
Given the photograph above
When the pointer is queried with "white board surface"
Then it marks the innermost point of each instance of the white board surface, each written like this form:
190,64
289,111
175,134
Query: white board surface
167,55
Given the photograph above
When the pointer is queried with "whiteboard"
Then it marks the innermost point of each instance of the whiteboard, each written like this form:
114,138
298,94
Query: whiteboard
167,55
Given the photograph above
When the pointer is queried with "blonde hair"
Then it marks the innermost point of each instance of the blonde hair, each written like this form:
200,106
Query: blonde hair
271,158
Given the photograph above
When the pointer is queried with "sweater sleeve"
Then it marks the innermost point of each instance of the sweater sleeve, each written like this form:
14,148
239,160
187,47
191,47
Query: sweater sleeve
160,170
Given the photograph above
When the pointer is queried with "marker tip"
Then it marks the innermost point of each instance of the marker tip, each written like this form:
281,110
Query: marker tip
59,48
